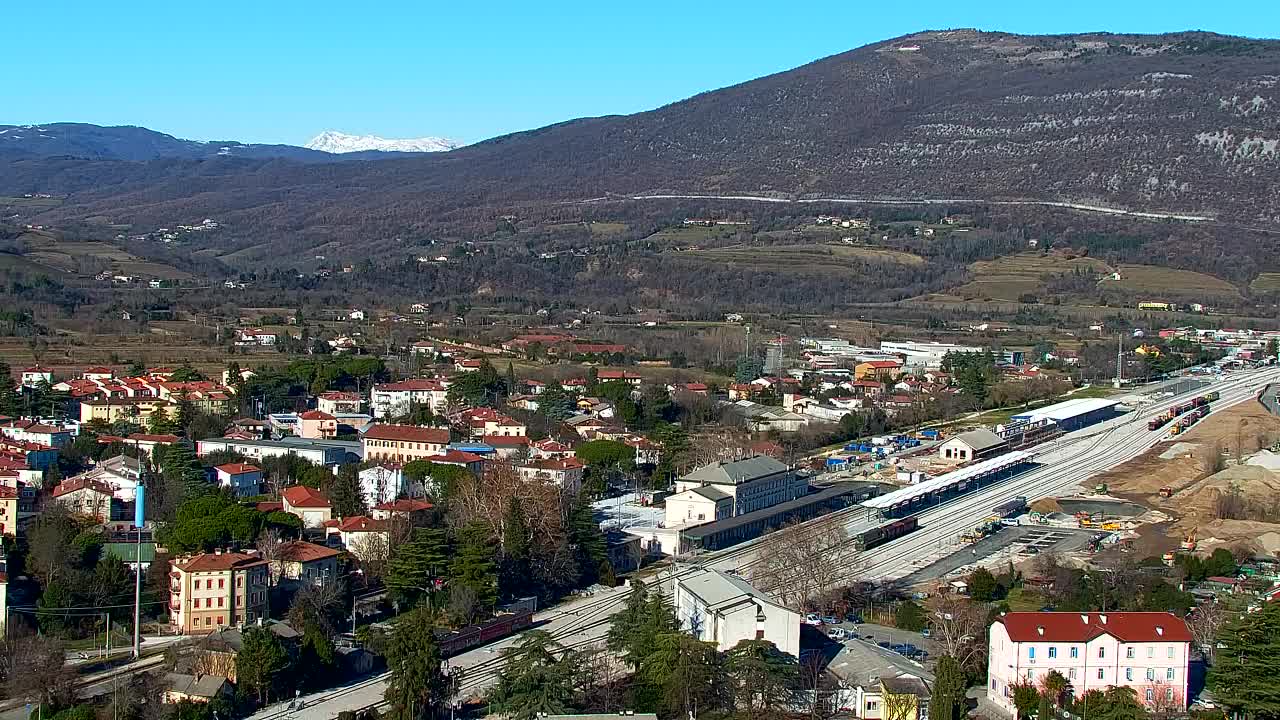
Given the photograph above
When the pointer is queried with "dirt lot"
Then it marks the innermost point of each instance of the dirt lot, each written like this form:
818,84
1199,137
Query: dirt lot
1201,467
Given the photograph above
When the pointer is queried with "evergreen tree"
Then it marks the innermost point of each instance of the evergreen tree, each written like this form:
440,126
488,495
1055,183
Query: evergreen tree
765,679
948,701
418,687
158,423
416,565
260,661
587,542
686,675
474,566
909,616
1246,678
183,477
537,679
625,635
344,493
511,378
982,585
516,550
554,403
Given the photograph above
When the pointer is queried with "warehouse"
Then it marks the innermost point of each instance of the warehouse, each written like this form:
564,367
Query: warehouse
1073,414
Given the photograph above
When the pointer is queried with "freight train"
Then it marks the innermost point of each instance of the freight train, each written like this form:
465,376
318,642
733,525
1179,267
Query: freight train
876,536
1200,405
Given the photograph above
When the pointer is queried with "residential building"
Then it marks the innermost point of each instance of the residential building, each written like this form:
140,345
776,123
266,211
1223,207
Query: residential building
33,376
403,443
394,399
335,402
181,687
549,448
404,508
134,409
507,446
317,424
305,564
487,422
215,590
1147,651
881,370
36,432
318,452
698,505
565,472
754,483
85,496
865,673
973,445
769,418
724,609
243,480
8,510
381,483
365,538
307,503
616,375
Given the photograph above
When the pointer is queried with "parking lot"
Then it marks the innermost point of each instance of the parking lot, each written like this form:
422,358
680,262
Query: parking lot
886,637
1012,542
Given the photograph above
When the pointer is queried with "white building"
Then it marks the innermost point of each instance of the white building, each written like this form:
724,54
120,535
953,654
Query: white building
381,483
724,609
1147,651
698,505
754,483
924,355
393,399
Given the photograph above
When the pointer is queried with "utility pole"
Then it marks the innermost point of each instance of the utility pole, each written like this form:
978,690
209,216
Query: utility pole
1119,358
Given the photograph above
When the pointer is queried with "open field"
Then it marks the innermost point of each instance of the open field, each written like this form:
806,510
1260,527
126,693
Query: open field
21,203
1266,282
1010,277
45,251
1158,280
694,234
803,258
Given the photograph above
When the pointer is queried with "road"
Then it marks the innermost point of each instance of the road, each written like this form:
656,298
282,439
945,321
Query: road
1064,463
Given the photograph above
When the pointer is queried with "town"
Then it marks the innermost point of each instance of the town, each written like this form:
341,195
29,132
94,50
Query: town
883,526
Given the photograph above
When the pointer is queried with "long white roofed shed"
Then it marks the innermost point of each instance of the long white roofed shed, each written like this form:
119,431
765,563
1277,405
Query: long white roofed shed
946,482
1072,414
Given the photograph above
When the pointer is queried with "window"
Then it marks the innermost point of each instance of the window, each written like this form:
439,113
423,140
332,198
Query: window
220,620
1031,653
1151,674
1168,694
208,622
1101,674
1151,651
993,683
1102,652
1168,674
219,602
1031,674
221,583
1075,653
1170,651
1071,673
1128,673
1151,695
1128,653
1053,653
208,602
873,705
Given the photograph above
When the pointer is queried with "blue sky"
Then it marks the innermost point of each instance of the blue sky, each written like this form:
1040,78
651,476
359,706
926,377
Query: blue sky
281,71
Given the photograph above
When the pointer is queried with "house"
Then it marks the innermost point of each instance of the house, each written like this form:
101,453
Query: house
565,472
766,418
647,451
402,443
1147,651
356,314
404,508
305,564
507,446
724,609
865,673
549,448
33,376
97,373
367,539
877,370
85,496
250,337
754,483
307,503
121,472
36,432
144,442
180,687
133,409
335,402
243,480
692,388
616,375
484,421
381,483
213,590
624,551
468,365
470,461
390,400
698,505
317,424
317,452
973,445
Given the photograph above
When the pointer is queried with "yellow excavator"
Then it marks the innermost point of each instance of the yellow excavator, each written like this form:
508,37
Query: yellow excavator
1189,541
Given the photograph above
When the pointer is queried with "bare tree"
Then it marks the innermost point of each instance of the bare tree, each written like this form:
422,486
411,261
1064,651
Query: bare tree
819,689
957,623
270,547
1204,622
805,564
1165,700
373,550
34,669
600,678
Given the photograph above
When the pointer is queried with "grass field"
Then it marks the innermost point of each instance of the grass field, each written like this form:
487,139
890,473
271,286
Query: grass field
607,229
1012,276
29,203
1157,280
1266,282
692,234
46,251
802,258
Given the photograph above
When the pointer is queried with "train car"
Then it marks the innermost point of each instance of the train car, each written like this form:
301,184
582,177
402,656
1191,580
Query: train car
887,532
1016,506
1212,396
471,636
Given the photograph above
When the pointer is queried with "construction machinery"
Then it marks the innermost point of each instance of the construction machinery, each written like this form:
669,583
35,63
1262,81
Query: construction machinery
1189,541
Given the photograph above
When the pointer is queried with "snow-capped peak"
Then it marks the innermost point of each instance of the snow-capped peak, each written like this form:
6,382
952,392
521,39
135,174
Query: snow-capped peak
332,141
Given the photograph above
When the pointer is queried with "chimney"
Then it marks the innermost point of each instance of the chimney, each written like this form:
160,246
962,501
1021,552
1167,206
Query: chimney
217,551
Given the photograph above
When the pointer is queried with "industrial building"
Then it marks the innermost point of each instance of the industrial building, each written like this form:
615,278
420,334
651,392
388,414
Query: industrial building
1073,414
973,445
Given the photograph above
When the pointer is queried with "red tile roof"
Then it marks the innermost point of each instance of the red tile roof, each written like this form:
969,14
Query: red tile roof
361,523
507,441
405,505
162,439
407,433
339,395
316,415
238,468
269,506
1083,627
71,485
883,363
304,497
455,457
214,562
8,492
303,551
558,464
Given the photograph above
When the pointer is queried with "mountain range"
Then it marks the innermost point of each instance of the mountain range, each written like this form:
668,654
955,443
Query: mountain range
1184,123
96,142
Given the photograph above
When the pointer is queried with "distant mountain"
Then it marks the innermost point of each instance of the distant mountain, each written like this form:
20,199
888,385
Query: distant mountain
96,142
1177,123
332,141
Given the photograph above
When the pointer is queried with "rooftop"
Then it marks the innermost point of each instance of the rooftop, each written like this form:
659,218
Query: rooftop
980,439
407,433
218,561
304,497
737,471
303,551
1082,627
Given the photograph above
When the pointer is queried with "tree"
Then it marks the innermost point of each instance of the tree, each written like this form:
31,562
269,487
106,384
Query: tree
766,680
158,423
1205,622
1026,699
260,661
537,679
799,566
1115,703
344,492
686,674
909,616
948,700
587,542
517,550
554,403
474,565
982,585
957,624
632,631
33,668
417,564
1245,677
747,369
418,686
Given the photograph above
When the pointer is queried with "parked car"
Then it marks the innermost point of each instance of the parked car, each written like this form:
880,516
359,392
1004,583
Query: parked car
885,644
812,619
830,620
853,618
925,632
838,633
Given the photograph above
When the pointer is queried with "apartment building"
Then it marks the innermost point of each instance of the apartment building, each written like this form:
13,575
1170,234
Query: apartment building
214,590
403,443
1147,651
392,399
335,402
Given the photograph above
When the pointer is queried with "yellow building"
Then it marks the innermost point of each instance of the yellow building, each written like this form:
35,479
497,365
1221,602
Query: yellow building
132,409
216,590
